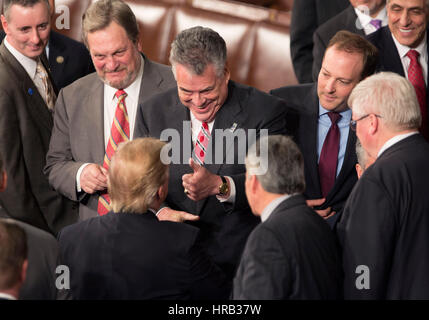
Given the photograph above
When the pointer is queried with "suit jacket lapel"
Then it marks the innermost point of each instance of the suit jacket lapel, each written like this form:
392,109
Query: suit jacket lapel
151,81
56,50
93,106
351,20
308,137
36,105
390,59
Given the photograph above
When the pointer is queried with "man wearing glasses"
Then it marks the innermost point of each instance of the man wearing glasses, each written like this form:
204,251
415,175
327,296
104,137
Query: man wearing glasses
322,119
383,230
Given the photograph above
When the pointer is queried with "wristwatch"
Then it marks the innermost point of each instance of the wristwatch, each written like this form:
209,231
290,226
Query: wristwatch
223,188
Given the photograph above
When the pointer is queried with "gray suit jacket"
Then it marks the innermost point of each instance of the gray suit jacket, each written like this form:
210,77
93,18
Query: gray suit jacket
346,20
25,131
78,134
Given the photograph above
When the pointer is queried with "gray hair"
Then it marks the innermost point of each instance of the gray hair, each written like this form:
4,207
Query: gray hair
390,96
102,13
7,4
198,47
285,169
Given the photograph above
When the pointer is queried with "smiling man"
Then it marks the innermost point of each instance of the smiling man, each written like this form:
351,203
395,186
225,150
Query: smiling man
96,113
205,104
27,99
321,116
404,50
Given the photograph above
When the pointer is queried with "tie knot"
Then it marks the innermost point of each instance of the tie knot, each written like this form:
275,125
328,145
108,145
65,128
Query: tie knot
413,55
376,23
205,126
334,116
120,93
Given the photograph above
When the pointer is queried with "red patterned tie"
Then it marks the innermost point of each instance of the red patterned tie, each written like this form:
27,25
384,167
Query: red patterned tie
329,155
119,132
415,76
202,143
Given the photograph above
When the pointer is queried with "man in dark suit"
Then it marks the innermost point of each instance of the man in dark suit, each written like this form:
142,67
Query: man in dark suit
13,259
349,58
26,106
404,48
129,253
362,17
307,15
383,230
42,247
292,254
86,109
219,117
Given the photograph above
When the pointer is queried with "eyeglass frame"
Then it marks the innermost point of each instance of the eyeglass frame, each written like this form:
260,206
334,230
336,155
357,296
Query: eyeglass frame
353,123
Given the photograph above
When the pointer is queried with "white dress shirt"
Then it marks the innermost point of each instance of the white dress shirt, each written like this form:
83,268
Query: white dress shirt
365,20
393,141
423,58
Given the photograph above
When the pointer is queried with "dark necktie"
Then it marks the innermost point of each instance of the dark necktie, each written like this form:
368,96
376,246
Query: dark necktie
329,155
415,76
376,23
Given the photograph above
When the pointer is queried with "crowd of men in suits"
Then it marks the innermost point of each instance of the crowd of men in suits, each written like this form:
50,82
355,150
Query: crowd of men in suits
284,218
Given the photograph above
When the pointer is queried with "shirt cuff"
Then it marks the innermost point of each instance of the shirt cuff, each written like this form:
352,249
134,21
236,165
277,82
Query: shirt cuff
232,192
79,172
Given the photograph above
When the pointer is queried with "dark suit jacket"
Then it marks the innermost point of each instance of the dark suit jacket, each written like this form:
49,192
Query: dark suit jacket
69,59
78,134
292,255
136,256
345,20
307,15
224,227
25,131
42,247
302,105
384,225
388,59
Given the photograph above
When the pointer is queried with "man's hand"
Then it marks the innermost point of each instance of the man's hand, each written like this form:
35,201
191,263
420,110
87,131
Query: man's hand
201,183
325,213
93,178
167,214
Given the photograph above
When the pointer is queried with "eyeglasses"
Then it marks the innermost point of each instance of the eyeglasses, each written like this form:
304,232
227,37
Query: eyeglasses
354,122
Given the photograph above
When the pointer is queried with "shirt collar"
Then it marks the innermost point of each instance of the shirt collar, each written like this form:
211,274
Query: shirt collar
366,19
403,50
394,140
345,115
27,63
272,206
133,90
7,296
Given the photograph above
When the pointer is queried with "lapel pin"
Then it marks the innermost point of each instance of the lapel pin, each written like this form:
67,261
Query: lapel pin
30,91
60,59
233,127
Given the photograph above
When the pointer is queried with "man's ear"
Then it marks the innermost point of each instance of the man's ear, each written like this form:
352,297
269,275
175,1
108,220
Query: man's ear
4,24
374,123
24,270
359,170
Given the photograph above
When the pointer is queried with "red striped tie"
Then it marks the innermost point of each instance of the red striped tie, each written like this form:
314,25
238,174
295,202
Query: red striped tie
119,132
202,143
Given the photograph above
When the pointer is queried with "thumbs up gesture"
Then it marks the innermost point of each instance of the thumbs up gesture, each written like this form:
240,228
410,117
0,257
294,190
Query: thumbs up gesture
201,183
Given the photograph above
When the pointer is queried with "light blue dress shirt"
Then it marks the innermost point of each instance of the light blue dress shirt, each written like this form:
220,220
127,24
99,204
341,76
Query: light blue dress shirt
324,123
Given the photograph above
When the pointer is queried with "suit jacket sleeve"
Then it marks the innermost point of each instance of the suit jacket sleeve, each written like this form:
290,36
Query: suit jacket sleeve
60,165
304,23
20,195
264,271
319,48
366,233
